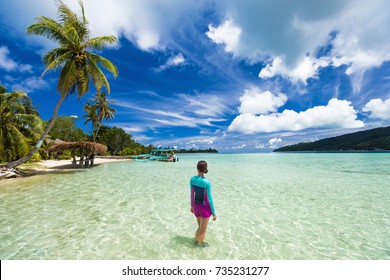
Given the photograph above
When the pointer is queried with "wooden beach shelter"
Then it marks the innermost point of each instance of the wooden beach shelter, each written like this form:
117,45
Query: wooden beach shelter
86,151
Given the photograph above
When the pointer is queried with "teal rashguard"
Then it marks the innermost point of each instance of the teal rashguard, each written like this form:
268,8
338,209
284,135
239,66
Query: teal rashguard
201,198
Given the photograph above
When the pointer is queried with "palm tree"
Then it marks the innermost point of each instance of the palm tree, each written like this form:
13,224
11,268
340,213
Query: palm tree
17,127
98,112
73,56
91,115
104,111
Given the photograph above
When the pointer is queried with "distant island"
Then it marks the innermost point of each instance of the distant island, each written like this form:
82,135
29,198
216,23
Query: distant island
377,139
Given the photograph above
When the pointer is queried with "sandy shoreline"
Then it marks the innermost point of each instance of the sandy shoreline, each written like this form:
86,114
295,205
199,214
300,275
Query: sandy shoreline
67,163
51,166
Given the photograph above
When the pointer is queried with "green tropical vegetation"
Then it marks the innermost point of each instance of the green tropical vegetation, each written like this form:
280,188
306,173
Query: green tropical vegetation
377,139
20,124
119,142
193,150
65,129
74,58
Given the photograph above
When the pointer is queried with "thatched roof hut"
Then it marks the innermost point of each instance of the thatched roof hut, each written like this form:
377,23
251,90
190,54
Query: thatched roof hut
88,148
84,149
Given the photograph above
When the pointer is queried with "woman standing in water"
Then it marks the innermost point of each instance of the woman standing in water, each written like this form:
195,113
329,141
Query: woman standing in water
201,202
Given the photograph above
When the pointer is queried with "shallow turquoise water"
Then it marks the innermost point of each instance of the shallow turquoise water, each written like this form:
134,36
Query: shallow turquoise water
269,206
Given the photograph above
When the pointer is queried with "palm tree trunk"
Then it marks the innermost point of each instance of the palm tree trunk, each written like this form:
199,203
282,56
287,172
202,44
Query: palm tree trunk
18,162
94,135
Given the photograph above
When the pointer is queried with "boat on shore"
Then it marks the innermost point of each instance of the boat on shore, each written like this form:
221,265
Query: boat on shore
160,154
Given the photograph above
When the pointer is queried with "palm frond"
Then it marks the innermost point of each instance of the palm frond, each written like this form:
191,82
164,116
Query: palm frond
55,58
68,78
98,77
105,63
72,35
69,17
98,43
82,81
48,28
15,136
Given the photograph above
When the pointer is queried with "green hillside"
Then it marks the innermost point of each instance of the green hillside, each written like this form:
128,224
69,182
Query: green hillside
368,140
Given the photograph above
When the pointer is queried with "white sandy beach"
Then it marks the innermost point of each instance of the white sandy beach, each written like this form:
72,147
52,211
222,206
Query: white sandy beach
66,163
49,166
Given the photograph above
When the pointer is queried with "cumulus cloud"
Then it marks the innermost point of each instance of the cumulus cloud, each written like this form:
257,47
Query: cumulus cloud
149,24
8,64
307,67
378,108
256,102
273,143
286,34
336,114
172,62
227,33
290,34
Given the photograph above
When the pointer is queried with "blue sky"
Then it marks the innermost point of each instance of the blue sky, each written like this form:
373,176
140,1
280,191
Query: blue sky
238,76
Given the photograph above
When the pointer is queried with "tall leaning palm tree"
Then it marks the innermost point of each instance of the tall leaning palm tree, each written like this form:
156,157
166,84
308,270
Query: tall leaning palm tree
74,57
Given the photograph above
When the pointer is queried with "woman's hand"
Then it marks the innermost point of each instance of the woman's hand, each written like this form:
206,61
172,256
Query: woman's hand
214,217
192,210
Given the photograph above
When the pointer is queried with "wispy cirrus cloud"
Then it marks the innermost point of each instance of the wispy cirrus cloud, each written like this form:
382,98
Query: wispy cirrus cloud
172,116
204,104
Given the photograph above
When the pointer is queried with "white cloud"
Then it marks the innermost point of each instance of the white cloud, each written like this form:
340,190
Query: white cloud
287,34
379,108
227,33
202,140
172,62
256,102
260,146
5,62
170,118
204,104
30,84
147,23
239,147
306,67
273,143
290,33
8,64
336,114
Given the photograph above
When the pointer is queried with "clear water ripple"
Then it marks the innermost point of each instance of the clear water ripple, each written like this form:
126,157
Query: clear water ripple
270,206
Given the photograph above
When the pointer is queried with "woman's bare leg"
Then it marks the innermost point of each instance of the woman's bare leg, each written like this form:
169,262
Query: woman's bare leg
202,229
196,238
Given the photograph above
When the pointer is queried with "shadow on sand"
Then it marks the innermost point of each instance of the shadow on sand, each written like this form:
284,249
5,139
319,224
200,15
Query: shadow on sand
185,241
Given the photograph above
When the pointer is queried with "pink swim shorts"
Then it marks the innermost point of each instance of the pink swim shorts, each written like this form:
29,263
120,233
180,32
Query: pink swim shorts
202,211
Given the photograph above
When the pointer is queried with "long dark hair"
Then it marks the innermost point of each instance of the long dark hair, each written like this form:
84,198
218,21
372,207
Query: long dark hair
202,166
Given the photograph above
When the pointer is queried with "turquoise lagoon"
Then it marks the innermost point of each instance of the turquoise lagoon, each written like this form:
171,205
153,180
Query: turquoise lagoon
269,206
